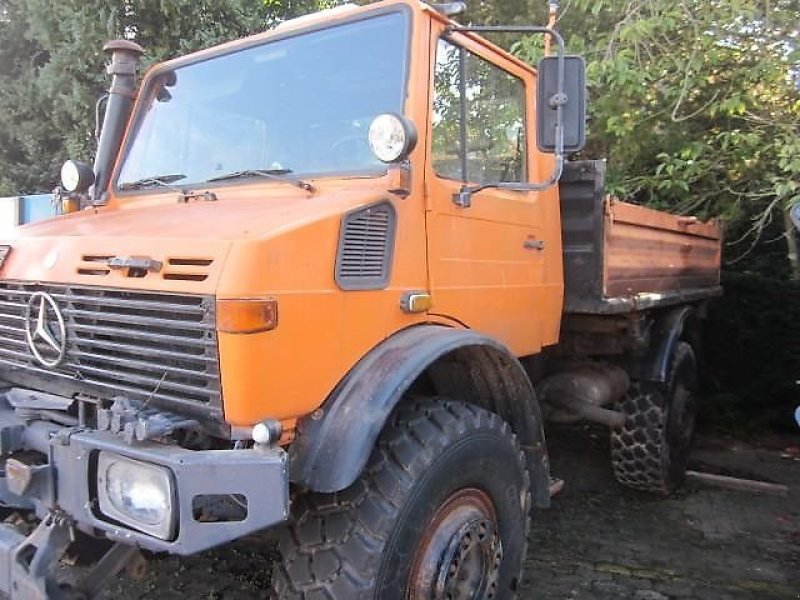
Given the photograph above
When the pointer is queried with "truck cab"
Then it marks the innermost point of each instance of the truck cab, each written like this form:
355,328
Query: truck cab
308,277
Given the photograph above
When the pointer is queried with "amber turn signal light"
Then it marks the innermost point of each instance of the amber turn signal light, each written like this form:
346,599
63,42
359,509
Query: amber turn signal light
247,315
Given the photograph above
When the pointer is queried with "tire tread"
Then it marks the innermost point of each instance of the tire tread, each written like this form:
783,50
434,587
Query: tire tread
640,450
365,513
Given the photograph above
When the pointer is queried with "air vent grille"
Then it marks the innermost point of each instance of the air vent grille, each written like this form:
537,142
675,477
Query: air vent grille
179,268
366,248
94,264
187,268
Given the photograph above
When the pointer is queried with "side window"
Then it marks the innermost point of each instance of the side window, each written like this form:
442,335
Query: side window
479,132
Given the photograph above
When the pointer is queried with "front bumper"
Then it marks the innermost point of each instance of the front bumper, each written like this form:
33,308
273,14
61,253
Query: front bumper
62,488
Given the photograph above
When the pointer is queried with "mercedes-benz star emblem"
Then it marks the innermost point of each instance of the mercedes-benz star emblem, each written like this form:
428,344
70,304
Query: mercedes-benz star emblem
45,330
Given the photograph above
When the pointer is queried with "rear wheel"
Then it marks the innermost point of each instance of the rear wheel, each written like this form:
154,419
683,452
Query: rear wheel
652,450
441,511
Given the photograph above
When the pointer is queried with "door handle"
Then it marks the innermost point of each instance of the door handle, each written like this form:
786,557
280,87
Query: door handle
533,244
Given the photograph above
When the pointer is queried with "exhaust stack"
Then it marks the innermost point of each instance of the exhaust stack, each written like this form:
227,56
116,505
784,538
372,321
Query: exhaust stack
124,63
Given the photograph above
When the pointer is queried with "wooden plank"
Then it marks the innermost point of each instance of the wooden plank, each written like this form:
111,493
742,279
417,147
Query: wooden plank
650,251
736,483
625,212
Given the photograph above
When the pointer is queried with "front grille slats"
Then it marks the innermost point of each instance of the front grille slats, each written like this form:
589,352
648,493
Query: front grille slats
10,331
21,354
14,342
150,353
87,358
132,319
131,376
155,338
5,305
166,398
155,347
87,301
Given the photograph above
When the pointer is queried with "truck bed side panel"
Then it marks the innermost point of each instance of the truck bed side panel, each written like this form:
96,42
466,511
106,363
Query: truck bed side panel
652,251
620,257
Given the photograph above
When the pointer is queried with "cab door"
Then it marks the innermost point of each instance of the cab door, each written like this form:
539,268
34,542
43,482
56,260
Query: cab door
486,260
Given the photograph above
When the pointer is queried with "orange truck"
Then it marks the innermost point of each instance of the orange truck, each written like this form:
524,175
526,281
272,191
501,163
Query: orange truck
333,279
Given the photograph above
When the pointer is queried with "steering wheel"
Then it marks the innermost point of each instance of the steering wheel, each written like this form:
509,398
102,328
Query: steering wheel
343,150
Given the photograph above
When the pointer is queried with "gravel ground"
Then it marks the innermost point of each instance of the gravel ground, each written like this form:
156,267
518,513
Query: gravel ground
598,541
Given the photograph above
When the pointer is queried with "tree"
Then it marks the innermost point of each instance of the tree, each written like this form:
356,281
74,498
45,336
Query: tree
52,67
696,105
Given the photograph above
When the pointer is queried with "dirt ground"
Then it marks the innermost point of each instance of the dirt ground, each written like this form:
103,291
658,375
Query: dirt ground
598,541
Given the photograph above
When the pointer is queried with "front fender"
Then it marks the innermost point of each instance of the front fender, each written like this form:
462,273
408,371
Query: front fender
334,444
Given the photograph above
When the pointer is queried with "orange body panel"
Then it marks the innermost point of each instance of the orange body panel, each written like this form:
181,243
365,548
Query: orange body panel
481,271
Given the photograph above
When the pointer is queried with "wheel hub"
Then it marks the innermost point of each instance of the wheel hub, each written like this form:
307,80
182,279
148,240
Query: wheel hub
461,552
471,563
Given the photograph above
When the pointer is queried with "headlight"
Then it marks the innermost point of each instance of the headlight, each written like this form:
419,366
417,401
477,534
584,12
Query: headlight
76,176
392,137
136,494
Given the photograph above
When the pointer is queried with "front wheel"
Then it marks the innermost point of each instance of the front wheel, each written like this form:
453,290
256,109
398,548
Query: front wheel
441,511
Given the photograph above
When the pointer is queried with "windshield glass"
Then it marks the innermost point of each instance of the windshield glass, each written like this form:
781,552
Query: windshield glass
299,105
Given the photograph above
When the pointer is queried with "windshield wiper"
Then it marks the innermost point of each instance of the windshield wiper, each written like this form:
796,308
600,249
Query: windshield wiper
274,174
149,182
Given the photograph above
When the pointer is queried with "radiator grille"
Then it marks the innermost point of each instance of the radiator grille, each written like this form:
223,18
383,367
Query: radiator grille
366,246
148,346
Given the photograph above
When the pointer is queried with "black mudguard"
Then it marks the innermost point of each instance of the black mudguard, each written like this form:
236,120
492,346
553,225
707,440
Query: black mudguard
667,331
334,443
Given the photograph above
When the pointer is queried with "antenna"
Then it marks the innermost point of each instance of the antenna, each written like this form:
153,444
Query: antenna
450,9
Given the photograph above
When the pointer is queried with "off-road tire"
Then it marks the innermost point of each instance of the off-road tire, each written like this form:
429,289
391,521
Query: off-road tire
651,451
360,544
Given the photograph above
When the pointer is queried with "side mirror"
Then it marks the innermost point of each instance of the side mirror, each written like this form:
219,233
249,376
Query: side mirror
572,99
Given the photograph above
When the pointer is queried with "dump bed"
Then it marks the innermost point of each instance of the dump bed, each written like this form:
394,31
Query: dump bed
620,257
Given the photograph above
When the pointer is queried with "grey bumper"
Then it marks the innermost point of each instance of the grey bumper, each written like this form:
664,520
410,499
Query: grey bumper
62,489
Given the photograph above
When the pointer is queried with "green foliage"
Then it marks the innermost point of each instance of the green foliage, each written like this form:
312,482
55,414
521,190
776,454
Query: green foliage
752,357
52,67
695,104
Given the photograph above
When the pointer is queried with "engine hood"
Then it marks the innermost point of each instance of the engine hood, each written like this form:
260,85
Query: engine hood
190,241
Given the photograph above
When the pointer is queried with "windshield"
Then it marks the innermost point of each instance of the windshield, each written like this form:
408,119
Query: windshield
299,105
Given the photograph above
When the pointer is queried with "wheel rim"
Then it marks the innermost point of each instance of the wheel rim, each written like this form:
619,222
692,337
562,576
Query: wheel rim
460,553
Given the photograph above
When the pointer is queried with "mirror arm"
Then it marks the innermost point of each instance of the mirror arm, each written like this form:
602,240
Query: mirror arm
463,198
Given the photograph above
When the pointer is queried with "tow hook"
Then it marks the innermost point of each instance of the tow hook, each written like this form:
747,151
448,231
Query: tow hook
32,563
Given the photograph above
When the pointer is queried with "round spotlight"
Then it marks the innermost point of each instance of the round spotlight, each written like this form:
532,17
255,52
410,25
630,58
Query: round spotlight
76,176
392,137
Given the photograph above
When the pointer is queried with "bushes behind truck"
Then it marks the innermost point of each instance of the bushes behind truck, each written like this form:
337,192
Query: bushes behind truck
752,351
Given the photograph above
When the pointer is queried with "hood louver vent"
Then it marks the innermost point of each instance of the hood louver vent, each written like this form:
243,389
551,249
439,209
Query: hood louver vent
94,264
366,248
176,269
187,269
